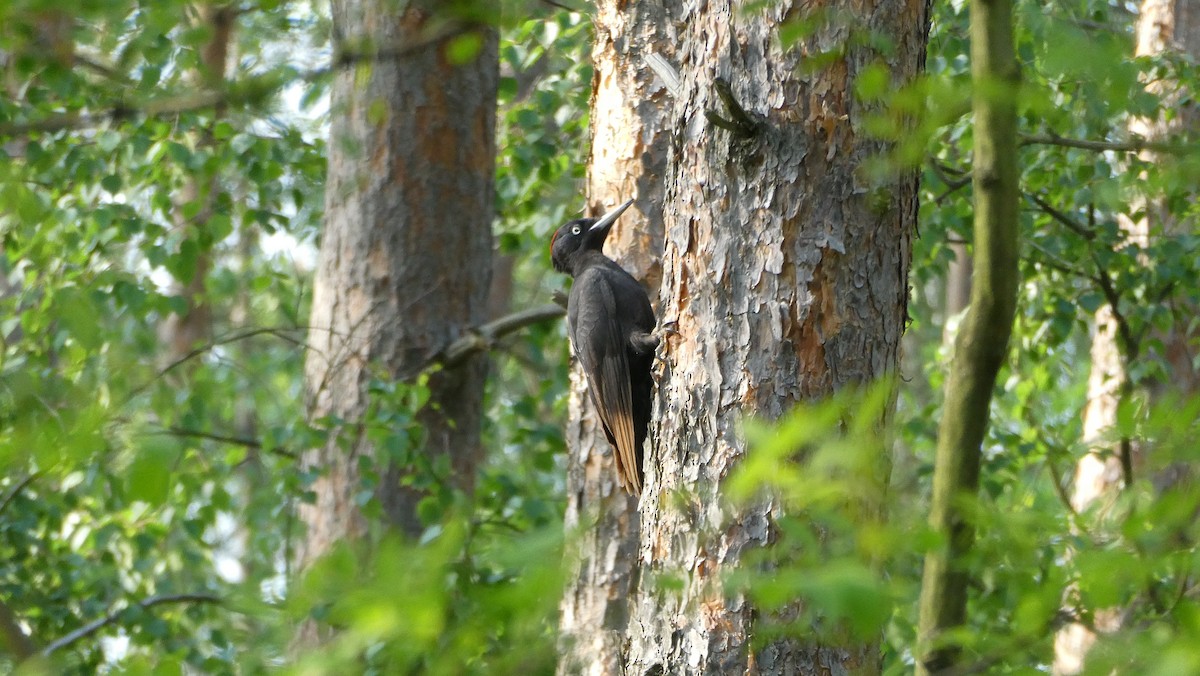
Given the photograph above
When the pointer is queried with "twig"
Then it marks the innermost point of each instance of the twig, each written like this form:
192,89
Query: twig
742,124
228,93
145,604
1104,281
16,490
1137,144
1059,489
231,338
1071,224
953,185
235,441
1056,263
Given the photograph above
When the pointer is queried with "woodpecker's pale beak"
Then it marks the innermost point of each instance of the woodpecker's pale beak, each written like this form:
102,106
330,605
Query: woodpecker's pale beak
608,219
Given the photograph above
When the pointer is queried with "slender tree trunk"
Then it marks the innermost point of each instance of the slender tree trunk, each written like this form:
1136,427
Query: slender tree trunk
185,331
783,277
1162,25
958,287
405,257
983,338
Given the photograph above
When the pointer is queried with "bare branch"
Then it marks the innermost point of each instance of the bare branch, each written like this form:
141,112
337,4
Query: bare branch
248,90
16,490
278,332
482,338
1134,145
1072,225
224,439
112,617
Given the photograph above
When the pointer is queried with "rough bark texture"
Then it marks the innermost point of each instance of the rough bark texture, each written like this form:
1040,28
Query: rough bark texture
983,337
1162,25
405,256
630,141
783,275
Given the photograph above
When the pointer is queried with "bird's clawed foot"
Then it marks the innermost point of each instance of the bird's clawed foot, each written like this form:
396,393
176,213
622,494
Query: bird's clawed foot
643,343
663,331
559,297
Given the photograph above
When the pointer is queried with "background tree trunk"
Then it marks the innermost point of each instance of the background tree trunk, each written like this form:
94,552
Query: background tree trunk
185,331
784,275
405,256
1162,25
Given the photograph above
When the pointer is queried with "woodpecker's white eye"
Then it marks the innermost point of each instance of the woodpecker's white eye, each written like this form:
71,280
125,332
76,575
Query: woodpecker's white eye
575,230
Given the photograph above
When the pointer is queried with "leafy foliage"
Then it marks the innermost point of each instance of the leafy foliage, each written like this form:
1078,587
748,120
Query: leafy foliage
139,481
1038,563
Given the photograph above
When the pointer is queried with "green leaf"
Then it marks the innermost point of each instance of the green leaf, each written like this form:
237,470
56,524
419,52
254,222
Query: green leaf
149,475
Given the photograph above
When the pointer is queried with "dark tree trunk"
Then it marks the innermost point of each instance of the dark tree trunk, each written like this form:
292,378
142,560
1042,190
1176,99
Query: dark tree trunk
405,256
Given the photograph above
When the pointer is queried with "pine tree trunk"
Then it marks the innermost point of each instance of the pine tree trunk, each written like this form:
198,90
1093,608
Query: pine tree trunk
405,255
783,277
630,125
1162,25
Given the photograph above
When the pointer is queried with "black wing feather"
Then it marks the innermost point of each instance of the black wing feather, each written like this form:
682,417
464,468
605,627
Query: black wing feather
601,342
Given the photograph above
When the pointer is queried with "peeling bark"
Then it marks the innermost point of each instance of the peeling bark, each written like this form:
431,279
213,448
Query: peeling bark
783,275
405,259
630,142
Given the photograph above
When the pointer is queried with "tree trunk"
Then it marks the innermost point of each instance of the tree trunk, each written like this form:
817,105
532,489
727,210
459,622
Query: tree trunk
630,146
783,277
982,340
185,331
1162,25
405,256
958,288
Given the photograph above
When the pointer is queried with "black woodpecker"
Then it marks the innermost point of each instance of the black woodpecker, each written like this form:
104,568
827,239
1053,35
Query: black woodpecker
611,324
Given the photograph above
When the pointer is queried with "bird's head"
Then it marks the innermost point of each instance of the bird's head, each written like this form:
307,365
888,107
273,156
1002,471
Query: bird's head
579,235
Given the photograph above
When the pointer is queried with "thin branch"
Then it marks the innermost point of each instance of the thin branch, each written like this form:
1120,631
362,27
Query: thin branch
1105,282
1102,278
208,347
953,185
1134,145
16,490
112,617
1059,489
235,441
1054,262
1071,224
742,124
482,338
249,90
472,342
